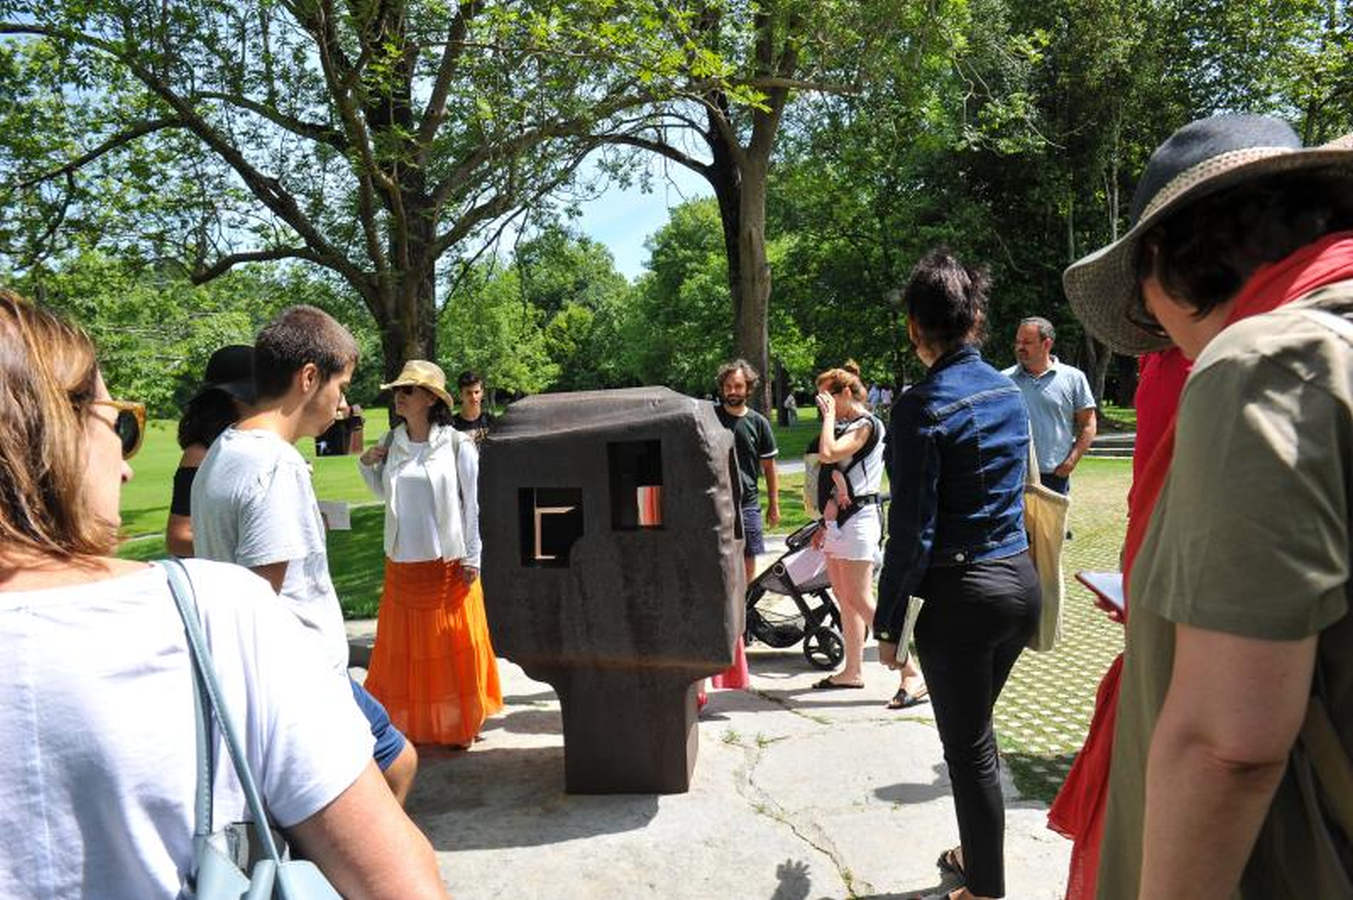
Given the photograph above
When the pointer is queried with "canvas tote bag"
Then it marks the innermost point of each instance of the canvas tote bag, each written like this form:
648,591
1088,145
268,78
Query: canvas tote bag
1045,515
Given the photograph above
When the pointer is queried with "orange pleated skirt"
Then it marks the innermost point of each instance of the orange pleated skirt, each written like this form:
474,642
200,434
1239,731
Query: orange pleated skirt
433,665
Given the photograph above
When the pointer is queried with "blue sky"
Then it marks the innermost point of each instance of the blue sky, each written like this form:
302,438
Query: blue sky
623,218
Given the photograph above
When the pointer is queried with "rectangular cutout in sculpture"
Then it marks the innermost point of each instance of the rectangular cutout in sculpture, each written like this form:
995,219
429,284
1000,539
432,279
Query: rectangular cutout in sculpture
550,520
635,474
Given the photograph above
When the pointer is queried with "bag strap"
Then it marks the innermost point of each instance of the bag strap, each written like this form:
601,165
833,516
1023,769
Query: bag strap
180,585
1333,321
1031,475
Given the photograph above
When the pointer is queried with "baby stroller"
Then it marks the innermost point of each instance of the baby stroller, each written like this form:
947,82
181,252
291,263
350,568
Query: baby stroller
801,575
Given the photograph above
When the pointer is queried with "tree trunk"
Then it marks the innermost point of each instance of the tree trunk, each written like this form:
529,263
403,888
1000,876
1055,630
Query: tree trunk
410,331
751,330
1098,358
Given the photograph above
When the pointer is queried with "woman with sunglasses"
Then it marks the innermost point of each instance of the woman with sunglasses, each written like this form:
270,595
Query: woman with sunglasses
433,665
97,713
226,397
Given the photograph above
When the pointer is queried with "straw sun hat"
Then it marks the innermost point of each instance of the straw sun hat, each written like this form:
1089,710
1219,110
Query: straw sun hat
423,374
1203,157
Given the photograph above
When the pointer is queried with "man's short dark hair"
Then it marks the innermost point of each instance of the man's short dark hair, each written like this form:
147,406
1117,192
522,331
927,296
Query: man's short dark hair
468,378
300,335
1045,330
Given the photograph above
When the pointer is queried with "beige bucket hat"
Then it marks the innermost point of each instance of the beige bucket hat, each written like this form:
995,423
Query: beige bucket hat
423,374
1202,158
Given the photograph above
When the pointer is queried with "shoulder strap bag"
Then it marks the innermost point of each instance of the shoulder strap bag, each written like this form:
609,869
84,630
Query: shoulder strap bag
1045,514
221,858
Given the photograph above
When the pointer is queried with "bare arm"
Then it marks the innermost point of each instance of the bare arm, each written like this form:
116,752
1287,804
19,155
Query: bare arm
178,535
367,847
178,531
1231,714
273,573
1086,429
772,491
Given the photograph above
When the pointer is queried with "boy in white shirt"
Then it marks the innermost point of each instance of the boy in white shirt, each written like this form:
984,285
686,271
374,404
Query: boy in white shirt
253,503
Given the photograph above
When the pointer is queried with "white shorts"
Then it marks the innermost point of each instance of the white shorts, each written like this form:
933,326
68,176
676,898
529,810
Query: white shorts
858,539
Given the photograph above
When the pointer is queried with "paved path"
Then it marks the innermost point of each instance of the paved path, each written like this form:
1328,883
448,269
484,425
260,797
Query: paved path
796,794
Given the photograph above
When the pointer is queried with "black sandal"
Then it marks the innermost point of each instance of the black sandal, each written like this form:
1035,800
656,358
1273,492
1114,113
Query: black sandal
948,861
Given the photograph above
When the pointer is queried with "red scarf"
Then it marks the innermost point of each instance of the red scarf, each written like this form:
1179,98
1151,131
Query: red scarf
1078,811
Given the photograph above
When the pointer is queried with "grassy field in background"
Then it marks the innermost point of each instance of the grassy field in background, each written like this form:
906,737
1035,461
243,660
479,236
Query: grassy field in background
356,557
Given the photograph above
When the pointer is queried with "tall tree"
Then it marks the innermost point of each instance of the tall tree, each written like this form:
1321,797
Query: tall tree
369,138
767,51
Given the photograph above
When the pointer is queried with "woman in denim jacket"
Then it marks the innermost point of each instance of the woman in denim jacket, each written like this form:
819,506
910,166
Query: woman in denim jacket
957,449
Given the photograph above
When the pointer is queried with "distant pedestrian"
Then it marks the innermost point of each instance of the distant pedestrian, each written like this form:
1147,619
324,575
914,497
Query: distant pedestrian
226,396
791,407
754,451
433,665
1061,406
472,416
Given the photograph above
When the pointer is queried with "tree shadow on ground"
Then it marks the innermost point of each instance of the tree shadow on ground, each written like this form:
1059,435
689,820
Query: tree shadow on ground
795,881
493,798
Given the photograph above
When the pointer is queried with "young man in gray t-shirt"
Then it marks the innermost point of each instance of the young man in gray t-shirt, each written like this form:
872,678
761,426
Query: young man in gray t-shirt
253,503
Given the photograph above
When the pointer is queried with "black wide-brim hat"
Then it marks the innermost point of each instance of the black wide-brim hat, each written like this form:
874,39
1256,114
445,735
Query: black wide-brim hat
1202,158
231,369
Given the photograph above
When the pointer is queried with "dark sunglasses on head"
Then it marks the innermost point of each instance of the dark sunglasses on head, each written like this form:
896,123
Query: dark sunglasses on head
406,389
130,424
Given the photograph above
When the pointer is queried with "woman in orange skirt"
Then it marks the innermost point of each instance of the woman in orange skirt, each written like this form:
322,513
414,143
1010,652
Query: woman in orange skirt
433,665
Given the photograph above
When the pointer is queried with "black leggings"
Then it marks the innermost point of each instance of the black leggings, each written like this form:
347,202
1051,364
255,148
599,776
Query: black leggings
974,624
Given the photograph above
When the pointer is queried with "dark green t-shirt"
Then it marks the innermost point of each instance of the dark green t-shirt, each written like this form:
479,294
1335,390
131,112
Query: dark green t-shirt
1250,537
753,441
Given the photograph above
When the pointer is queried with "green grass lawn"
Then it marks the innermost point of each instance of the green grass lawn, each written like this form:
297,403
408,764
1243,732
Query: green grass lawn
356,557
1117,418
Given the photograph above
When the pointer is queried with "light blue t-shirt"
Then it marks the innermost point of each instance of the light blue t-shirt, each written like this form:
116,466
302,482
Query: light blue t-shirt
1053,399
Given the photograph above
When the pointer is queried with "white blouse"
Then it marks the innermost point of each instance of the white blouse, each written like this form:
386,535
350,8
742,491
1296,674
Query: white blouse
417,539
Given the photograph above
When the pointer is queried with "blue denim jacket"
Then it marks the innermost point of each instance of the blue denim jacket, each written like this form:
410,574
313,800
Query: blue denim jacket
957,448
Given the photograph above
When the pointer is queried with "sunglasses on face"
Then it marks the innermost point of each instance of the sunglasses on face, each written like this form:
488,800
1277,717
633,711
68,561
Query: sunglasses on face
130,424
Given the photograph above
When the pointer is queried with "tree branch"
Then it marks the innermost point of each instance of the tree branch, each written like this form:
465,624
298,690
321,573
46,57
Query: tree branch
268,190
436,106
662,148
138,130
314,131
578,127
226,263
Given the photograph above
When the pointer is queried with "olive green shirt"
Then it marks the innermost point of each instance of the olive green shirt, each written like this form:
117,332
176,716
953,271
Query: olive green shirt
1250,536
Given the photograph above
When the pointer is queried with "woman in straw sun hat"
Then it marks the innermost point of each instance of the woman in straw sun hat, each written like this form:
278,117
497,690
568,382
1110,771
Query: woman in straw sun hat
433,665
1236,563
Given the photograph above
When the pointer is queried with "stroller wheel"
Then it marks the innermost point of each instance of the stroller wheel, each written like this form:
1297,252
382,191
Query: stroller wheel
824,647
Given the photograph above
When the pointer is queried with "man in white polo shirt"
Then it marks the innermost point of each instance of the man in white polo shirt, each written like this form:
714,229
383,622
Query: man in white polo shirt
1061,407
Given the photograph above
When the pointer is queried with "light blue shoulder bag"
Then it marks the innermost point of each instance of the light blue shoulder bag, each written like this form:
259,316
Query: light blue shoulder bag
221,859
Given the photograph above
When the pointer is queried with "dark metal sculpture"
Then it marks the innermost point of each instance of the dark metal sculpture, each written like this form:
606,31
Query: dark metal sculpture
613,571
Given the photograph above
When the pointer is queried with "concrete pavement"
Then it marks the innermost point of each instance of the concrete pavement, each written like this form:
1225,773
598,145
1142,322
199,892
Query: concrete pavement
796,794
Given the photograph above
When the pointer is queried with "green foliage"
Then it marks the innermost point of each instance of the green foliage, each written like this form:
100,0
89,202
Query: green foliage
155,330
487,326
